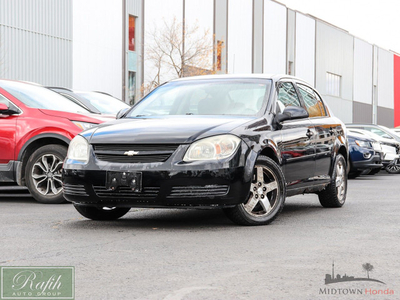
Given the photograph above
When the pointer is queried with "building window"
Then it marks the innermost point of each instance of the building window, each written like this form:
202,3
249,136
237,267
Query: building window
131,87
333,83
132,33
219,54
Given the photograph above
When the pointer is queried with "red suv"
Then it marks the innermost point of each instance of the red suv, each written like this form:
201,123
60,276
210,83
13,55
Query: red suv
36,126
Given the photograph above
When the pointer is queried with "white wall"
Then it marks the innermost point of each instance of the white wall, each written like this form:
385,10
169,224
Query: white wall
97,46
274,38
385,79
362,72
305,48
240,33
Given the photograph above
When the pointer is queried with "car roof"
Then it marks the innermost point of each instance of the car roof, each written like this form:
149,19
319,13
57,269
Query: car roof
273,77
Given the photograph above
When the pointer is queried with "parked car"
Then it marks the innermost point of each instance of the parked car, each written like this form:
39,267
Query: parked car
396,130
95,102
390,150
36,126
365,155
241,143
380,130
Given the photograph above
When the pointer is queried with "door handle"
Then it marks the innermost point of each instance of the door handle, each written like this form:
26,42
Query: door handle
309,133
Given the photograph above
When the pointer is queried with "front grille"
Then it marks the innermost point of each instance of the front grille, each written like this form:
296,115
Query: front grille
198,191
140,153
126,193
75,189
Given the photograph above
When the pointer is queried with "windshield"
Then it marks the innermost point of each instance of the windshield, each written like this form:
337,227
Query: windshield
104,103
205,97
40,97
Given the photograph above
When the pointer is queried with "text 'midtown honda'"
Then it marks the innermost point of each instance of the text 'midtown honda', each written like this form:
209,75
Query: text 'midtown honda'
240,143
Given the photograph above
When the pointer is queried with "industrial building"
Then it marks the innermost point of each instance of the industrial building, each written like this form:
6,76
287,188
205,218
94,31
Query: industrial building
104,45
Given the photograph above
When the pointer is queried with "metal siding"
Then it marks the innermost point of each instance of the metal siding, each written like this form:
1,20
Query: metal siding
385,79
305,48
97,48
334,53
396,92
362,112
240,36
386,116
274,38
258,36
34,39
291,41
343,109
363,70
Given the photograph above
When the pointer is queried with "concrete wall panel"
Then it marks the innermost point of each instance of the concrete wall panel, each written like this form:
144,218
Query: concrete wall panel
363,70
385,79
362,112
386,116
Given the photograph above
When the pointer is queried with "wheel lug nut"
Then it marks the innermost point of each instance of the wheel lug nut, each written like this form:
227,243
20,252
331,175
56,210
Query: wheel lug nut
262,196
256,196
254,189
259,184
264,188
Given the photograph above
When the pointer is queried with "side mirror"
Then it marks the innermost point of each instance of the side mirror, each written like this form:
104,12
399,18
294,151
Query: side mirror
121,113
292,113
4,110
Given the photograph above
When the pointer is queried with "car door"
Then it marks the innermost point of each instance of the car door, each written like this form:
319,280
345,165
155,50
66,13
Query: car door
297,149
325,131
7,143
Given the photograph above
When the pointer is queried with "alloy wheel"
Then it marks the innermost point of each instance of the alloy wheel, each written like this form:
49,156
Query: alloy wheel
264,192
46,174
340,181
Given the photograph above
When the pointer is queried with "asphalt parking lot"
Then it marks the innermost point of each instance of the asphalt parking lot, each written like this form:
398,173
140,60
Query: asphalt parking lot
190,254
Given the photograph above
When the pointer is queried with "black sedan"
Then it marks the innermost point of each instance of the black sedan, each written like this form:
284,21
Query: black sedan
240,143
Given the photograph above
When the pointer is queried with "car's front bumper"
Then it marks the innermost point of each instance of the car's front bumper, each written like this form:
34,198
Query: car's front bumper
168,184
374,162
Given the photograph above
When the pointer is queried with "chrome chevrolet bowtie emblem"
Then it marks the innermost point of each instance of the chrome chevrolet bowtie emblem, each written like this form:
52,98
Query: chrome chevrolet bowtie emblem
131,153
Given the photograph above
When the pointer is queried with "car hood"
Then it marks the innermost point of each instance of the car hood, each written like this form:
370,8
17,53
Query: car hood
163,130
90,118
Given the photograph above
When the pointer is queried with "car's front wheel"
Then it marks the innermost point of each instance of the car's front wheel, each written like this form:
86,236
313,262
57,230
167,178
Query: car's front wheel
266,198
334,195
102,213
43,174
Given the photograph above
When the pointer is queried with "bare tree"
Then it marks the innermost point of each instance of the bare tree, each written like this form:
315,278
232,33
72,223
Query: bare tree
368,268
177,51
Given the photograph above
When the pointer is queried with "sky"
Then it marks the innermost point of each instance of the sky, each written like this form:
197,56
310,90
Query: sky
375,21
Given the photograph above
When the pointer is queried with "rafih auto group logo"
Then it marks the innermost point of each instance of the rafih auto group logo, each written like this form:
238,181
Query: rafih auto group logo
37,283
336,279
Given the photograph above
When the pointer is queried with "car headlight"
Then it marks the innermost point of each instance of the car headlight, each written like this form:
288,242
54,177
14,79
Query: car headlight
84,125
212,148
363,144
78,150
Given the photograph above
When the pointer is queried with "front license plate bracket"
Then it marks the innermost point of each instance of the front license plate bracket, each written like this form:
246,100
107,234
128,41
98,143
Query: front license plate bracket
115,180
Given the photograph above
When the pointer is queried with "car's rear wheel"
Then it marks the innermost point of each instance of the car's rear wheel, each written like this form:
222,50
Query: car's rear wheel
102,213
266,198
43,174
334,195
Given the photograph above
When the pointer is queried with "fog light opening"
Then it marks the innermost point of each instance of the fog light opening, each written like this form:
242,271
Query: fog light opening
367,155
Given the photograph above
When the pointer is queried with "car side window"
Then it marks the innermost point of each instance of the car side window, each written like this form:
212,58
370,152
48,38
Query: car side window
4,100
287,96
314,105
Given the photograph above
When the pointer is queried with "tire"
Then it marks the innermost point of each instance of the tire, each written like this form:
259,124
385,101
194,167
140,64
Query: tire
374,171
266,198
101,214
353,175
334,195
393,167
43,174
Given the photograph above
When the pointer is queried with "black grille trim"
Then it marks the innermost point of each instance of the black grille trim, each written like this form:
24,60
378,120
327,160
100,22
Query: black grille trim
198,191
126,192
75,189
146,153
